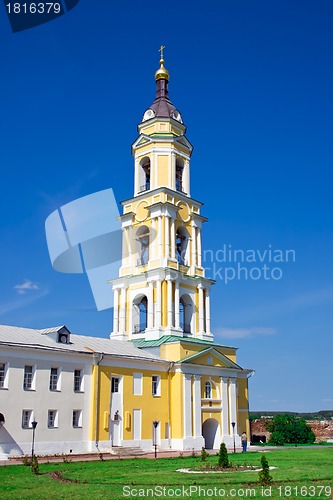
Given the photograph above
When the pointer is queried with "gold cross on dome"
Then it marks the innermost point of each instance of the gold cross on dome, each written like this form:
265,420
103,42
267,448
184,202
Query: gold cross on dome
161,50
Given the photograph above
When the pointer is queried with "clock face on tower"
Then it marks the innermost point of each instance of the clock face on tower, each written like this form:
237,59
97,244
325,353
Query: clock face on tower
148,115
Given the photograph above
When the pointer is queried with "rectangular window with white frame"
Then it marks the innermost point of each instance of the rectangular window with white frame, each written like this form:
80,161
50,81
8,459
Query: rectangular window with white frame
29,378
3,375
137,384
78,380
52,419
55,379
77,418
156,385
27,419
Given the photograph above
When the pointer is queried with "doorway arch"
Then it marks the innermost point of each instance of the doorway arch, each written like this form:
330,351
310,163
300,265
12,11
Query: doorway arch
210,433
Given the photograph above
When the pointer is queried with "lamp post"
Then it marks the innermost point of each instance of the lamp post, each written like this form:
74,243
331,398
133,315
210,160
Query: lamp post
34,425
233,432
155,424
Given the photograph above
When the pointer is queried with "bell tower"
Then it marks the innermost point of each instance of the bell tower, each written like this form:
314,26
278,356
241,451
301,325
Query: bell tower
161,289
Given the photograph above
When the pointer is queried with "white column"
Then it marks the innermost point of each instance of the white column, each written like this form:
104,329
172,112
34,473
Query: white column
233,403
194,249
207,310
173,239
187,406
170,308
115,310
159,236
153,238
197,406
186,177
158,316
130,245
201,308
177,305
150,322
136,177
167,236
225,407
173,170
199,246
153,171
122,319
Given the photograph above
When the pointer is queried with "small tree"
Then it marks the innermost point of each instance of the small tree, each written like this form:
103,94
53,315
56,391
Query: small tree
294,430
277,439
264,476
203,454
35,465
223,457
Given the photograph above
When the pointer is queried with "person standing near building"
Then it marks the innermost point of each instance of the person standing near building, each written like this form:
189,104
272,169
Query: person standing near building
244,441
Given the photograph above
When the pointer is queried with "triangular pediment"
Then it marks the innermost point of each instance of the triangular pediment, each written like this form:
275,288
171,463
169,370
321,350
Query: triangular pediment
210,357
141,140
184,142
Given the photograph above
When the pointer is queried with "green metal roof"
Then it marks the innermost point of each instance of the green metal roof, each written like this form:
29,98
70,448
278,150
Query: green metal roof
168,339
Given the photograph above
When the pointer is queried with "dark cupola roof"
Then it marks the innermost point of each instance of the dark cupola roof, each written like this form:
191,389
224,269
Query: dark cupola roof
162,106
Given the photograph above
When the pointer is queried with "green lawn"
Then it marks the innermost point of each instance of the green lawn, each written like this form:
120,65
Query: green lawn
311,469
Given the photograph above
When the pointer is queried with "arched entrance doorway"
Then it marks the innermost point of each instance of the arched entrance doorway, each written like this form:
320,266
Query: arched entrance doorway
210,433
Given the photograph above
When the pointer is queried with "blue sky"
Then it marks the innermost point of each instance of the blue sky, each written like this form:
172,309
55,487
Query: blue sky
253,81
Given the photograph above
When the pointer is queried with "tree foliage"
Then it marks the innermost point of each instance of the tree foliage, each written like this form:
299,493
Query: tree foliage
223,456
287,428
264,476
35,465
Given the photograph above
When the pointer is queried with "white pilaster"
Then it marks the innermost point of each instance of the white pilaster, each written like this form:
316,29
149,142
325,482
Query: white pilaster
201,308
170,308
173,170
122,318
173,239
153,240
116,310
150,322
225,407
186,177
187,406
167,236
199,246
177,319
233,403
158,315
207,329
197,406
136,177
159,235
194,250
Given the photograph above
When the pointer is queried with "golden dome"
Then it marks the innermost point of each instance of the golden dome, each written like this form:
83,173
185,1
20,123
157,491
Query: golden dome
162,73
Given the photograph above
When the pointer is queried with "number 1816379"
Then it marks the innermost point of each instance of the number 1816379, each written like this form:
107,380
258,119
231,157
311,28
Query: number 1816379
33,8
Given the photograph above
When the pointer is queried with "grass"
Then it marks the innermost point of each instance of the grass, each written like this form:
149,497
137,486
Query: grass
296,468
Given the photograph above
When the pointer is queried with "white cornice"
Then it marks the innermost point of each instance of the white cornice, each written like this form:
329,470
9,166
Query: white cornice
171,192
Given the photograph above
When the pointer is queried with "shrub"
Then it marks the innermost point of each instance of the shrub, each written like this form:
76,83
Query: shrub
264,476
26,460
294,429
203,454
35,465
277,438
223,457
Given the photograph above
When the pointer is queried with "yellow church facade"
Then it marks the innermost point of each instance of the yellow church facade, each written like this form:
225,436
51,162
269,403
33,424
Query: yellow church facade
188,391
